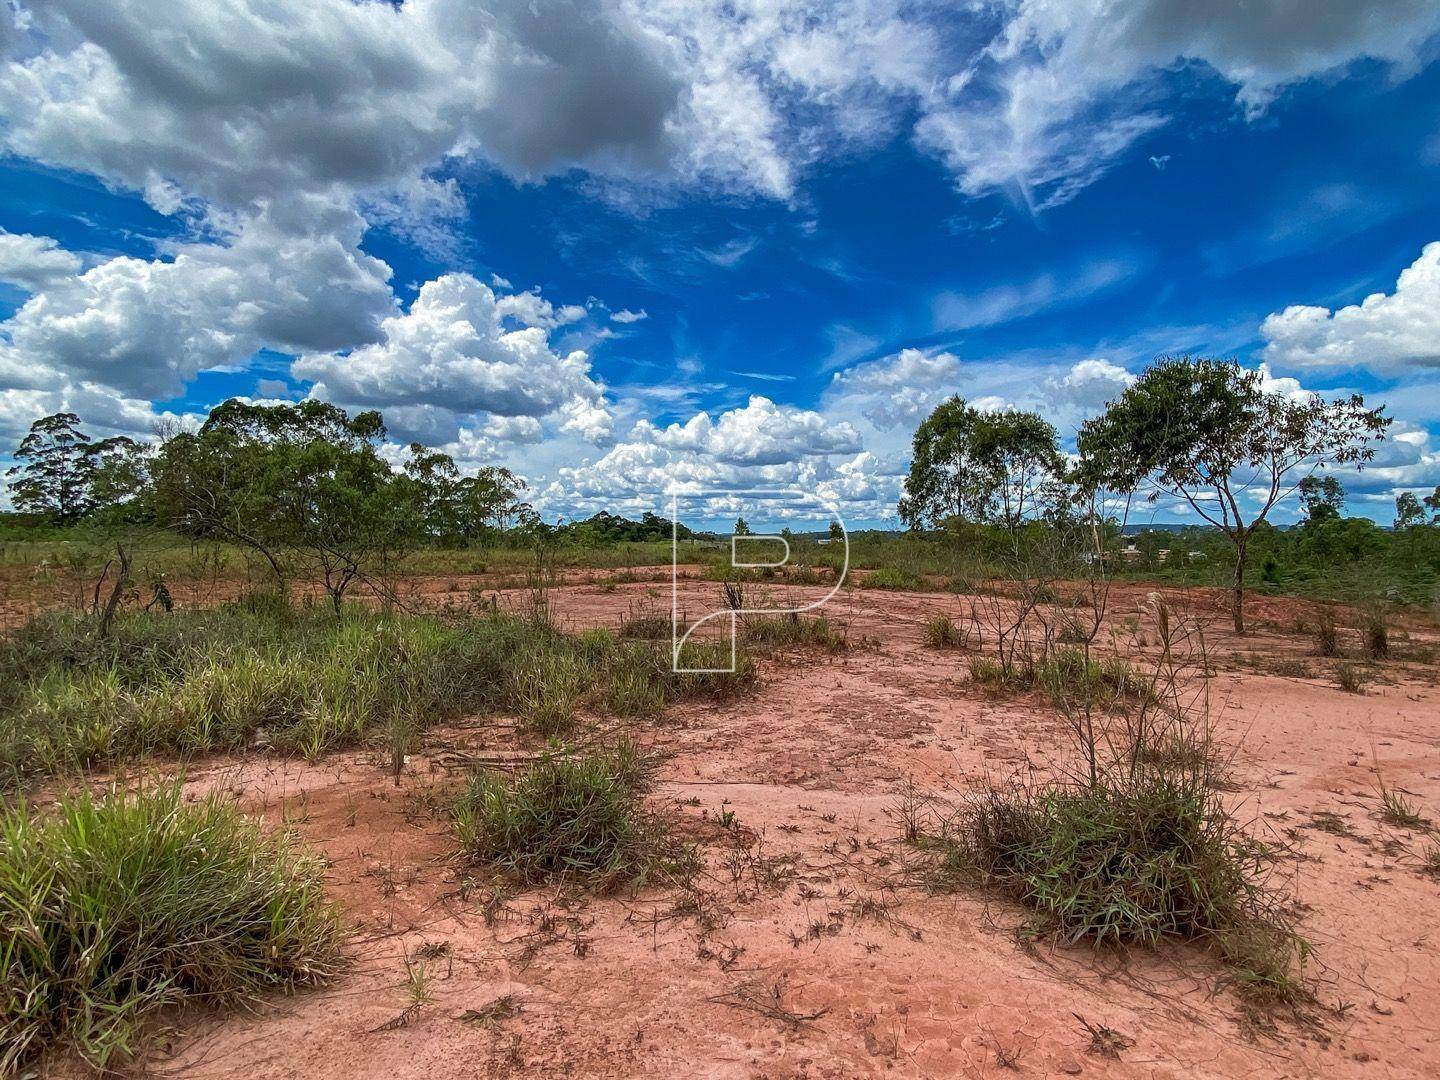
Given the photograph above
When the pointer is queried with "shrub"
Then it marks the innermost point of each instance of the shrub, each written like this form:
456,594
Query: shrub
1135,861
894,577
1351,678
1136,844
1376,634
1327,635
118,905
942,633
566,815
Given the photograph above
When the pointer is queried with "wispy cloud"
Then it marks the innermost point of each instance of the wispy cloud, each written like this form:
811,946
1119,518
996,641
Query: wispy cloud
1020,300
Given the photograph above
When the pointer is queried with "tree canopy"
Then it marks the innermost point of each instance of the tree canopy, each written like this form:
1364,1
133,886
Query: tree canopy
1212,434
989,467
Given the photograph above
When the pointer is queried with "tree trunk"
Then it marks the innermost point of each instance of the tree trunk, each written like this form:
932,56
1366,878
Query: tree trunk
107,617
1237,602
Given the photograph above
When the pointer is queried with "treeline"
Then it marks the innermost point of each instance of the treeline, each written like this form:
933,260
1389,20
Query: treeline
1325,554
305,487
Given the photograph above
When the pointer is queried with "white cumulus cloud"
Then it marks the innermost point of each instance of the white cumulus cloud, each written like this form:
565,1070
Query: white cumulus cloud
452,355
1386,332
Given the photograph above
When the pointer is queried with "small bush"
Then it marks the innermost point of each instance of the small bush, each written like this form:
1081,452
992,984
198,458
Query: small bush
1134,860
942,633
1376,634
116,906
893,577
1327,634
1351,678
566,815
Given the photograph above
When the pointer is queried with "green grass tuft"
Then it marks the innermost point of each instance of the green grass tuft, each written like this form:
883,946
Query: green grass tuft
119,905
942,633
894,577
567,815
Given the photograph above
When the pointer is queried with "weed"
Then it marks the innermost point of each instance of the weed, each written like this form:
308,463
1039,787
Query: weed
417,982
1351,678
792,630
497,1012
942,633
129,903
1327,634
1105,1041
1397,810
1430,860
304,681
894,577
646,623
1376,633
566,815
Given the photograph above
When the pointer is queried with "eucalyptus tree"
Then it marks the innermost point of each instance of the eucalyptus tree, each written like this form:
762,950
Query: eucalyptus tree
1211,434
1000,468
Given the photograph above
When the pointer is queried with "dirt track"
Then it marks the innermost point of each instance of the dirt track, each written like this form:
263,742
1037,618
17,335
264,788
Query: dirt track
811,954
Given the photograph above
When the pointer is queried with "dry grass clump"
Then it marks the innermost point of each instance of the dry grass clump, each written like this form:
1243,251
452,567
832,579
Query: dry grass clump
646,623
942,633
1351,678
572,815
118,905
1375,631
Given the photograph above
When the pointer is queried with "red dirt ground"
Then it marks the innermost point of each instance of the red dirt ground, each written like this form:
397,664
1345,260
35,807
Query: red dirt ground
812,953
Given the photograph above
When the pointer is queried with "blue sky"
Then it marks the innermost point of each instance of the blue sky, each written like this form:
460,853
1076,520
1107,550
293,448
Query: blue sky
829,216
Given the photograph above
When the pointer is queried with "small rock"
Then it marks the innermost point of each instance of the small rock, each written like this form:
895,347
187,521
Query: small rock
1069,1066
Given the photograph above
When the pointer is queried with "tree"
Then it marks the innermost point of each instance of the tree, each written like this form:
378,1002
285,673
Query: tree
54,471
837,531
989,467
296,483
1209,432
1322,497
456,509
1409,514
1433,502
742,527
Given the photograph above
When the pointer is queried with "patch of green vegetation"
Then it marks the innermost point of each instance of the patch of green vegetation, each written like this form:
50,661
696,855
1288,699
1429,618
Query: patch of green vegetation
1134,859
570,815
119,905
1067,676
793,630
942,633
301,680
894,577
